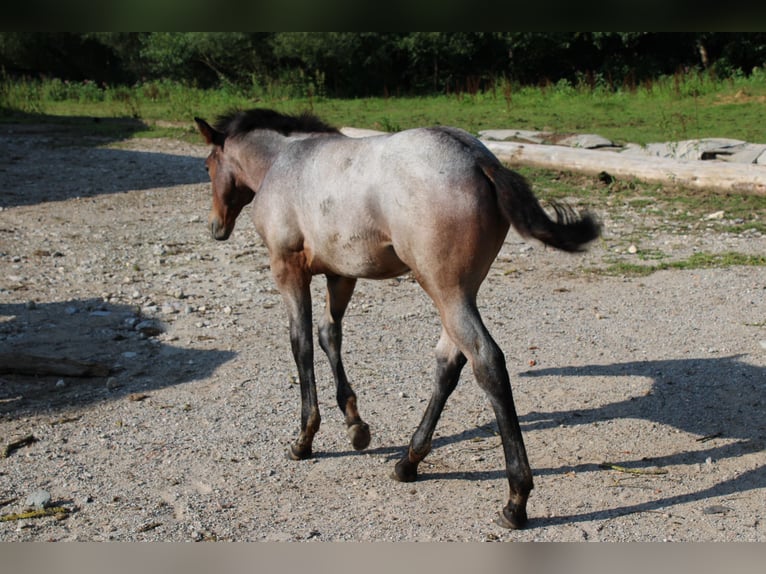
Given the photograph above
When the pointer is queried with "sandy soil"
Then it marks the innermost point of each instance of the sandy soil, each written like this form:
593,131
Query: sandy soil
641,399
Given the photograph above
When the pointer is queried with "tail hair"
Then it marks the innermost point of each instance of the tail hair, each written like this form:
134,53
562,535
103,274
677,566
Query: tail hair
568,230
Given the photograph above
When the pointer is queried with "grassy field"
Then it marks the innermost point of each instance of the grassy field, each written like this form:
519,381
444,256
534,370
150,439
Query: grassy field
670,108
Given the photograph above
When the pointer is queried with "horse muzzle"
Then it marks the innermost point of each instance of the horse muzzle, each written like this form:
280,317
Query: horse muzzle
219,231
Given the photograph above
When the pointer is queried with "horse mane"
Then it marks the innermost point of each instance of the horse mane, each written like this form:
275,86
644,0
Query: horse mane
244,121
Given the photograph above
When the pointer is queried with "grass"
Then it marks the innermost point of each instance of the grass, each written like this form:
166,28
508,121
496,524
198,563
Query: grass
675,203
695,261
670,108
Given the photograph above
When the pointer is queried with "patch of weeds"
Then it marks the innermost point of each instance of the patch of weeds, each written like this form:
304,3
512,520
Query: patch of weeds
651,255
641,202
696,261
748,227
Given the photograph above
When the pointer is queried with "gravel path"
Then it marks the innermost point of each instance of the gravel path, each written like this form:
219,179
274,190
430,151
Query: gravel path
641,399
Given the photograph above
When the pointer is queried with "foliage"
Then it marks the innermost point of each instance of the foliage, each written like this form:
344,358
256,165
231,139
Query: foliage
363,64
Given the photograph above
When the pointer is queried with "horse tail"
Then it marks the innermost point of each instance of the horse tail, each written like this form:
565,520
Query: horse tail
569,231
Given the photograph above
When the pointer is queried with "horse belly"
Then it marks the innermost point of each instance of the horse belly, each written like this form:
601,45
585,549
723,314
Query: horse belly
356,256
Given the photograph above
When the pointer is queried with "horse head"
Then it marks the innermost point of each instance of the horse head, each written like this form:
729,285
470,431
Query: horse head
230,195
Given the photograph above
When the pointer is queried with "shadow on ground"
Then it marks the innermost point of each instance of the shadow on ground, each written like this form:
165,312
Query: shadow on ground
95,332
713,398
55,162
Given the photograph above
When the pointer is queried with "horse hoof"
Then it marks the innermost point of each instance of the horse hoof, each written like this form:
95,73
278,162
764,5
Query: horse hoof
359,433
514,518
405,471
295,453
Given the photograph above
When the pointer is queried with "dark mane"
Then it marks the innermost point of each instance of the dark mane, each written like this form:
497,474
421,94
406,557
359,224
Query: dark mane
241,122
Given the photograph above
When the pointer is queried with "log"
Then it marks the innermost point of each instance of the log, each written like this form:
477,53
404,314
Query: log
710,174
700,174
23,364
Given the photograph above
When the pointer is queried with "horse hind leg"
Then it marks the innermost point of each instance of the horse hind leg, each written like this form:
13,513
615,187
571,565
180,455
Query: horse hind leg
330,331
491,374
464,326
449,363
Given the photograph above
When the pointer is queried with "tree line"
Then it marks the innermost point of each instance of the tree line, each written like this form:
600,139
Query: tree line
358,64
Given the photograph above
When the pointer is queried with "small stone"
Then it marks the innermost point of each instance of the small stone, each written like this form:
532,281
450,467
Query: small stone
632,249
100,313
112,383
715,215
39,499
168,309
148,328
716,509
60,384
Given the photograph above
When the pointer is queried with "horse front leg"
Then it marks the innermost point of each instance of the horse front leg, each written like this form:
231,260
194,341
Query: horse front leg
339,291
294,284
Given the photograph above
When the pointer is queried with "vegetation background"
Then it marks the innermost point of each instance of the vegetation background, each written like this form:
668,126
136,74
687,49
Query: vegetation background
363,64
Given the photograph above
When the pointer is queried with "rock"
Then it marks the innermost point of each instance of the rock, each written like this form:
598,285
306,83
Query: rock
169,308
39,499
100,313
632,249
706,148
586,141
148,328
747,153
715,215
716,509
515,135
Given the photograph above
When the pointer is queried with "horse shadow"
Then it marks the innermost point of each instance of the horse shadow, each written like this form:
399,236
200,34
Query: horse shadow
126,357
713,398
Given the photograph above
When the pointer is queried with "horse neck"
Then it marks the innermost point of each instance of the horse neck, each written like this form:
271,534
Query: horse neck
254,155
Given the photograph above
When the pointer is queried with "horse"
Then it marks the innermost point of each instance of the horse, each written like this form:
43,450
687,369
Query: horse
434,202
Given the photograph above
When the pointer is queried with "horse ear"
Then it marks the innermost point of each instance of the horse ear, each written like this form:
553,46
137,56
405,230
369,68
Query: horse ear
211,135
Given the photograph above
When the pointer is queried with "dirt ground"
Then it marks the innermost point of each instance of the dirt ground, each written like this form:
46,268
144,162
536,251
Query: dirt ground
641,399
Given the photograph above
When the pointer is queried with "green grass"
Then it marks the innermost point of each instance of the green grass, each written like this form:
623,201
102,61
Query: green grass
696,261
676,204
671,108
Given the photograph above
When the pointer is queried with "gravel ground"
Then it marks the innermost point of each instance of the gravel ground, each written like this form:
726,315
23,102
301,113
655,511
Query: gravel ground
641,398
